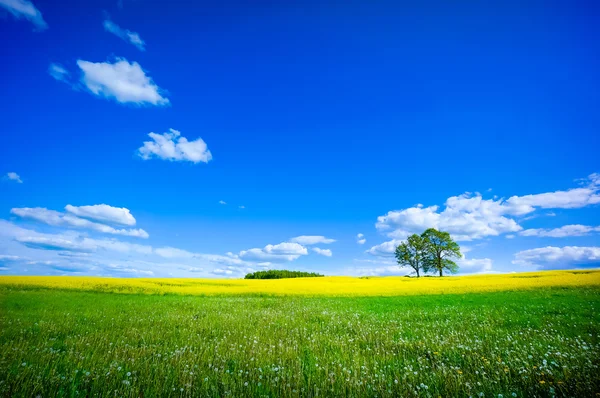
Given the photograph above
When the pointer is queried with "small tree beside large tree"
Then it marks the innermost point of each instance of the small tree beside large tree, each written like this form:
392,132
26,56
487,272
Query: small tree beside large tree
441,251
412,253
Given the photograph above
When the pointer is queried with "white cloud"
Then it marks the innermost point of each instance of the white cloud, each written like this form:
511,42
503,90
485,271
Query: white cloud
59,219
285,251
260,255
137,271
118,246
286,248
466,217
322,252
592,180
360,239
56,243
311,240
108,257
551,258
229,260
385,249
9,259
70,242
562,232
124,268
171,146
469,216
571,199
222,202
12,176
66,268
123,81
25,9
474,265
127,35
103,213
242,207
6,257
58,72
172,252
219,271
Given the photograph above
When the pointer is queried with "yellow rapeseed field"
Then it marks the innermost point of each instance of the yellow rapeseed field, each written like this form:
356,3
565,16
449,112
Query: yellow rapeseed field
326,286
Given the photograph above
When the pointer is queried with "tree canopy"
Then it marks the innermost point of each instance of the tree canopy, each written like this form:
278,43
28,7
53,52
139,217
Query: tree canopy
432,251
441,251
412,253
280,274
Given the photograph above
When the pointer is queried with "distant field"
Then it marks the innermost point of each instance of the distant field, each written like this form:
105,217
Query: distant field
524,335
328,286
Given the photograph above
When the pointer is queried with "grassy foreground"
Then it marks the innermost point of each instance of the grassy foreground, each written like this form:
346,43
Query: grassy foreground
542,341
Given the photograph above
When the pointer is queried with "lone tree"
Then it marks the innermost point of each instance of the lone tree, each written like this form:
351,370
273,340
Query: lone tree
441,250
412,253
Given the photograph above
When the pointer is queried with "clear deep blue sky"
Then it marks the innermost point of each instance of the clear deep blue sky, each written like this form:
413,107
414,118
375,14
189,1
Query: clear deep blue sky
319,118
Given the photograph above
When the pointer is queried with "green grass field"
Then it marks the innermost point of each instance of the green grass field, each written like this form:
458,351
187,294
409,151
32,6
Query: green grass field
542,342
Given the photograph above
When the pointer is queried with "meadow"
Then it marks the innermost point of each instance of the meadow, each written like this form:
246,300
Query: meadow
518,335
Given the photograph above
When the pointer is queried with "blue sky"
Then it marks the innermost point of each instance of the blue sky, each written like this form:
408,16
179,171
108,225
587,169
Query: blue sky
312,122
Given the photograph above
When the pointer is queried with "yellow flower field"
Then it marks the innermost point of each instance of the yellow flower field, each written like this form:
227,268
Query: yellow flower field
326,286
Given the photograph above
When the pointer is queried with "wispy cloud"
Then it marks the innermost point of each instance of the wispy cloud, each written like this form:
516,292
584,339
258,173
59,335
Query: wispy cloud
220,271
25,9
103,213
58,219
551,258
127,35
562,232
311,239
360,239
96,256
58,72
12,176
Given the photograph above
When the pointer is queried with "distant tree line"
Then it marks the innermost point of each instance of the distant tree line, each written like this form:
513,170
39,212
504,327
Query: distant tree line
432,251
280,274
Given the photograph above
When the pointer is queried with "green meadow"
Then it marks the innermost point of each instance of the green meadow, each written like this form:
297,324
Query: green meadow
535,343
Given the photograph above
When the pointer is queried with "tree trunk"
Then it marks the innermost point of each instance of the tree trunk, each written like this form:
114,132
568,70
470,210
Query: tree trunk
441,272
417,272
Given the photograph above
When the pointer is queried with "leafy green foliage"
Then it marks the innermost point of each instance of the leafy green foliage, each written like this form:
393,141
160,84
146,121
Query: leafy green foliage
280,274
412,253
432,251
441,251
